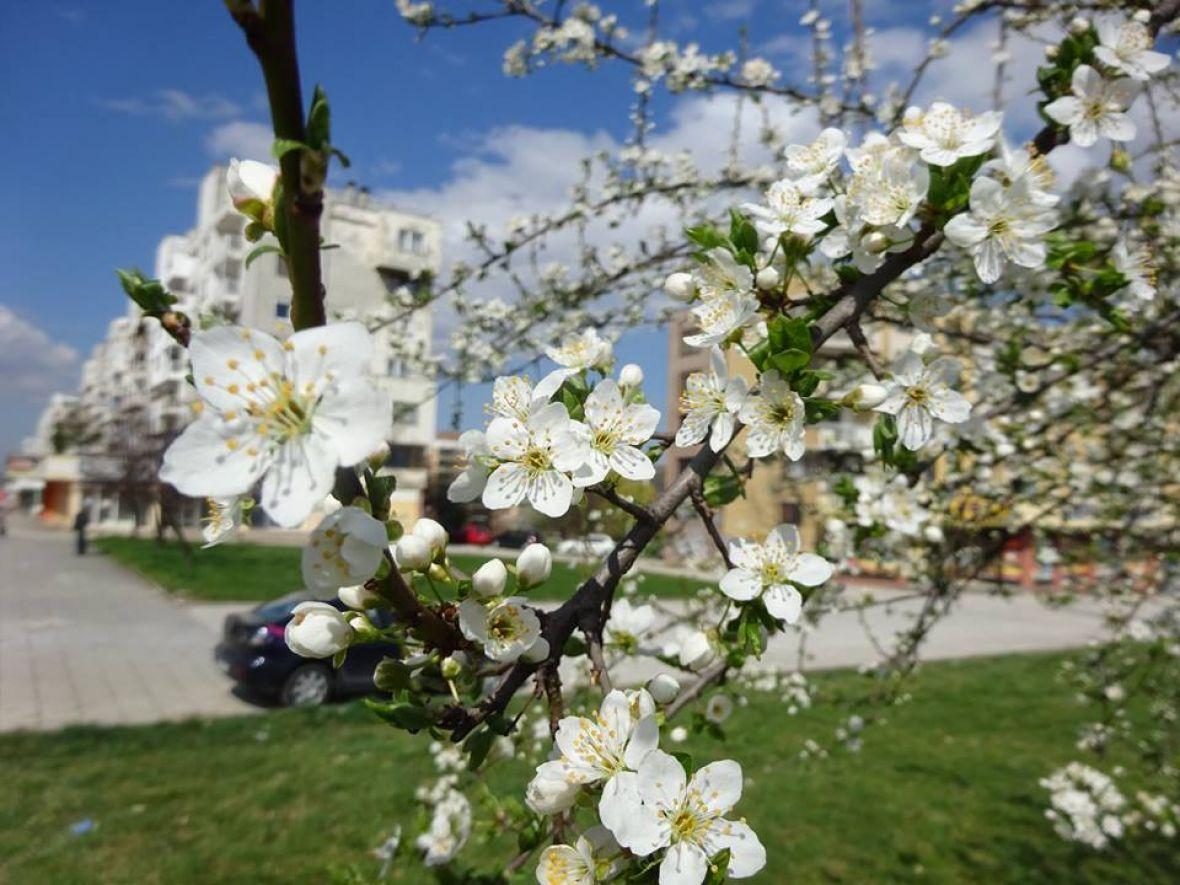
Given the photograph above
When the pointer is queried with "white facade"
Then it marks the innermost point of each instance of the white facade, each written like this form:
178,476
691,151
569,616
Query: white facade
134,382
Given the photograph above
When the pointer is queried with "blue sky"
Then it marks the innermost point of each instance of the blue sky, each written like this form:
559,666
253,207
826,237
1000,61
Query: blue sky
113,110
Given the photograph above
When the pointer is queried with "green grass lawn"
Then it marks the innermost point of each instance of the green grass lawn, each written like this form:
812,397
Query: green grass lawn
946,791
256,572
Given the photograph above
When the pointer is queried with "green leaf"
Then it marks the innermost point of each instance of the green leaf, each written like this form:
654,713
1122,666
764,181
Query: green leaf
787,333
408,717
260,250
149,294
319,121
789,361
721,488
706,236
718,868
478,745
338,658
284,146
742,234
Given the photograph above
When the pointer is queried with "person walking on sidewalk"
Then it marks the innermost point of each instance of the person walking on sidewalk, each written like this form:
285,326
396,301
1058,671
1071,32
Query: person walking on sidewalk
80,522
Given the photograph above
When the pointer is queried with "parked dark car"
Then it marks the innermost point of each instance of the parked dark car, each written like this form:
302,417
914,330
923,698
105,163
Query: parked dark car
254,654
518,538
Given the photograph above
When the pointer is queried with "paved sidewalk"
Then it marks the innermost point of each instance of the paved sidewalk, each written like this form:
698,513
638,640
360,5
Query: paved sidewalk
84,641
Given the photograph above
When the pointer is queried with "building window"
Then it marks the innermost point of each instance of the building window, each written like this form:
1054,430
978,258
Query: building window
405,414
396,368
282,310
790,512
405,456
412,241
281,266
394,279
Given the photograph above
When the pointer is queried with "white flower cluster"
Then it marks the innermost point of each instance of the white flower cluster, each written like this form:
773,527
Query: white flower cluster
648,804
533,450
1086,805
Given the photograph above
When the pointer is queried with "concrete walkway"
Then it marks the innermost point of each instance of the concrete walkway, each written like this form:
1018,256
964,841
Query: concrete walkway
83,641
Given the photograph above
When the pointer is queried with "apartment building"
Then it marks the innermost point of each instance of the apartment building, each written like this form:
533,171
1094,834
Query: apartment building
134,397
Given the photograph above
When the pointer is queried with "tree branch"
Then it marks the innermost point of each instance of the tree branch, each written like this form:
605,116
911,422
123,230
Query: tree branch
269,29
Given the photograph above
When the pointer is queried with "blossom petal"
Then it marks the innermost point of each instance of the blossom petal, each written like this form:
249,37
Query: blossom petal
662,780
719,785
784,602
604,404
339,350
741,584
549,385
630,463
1064,110
914,427
685,863
506,486
550,493
645,737
949,405
354,416
810,570
469,484
723,426
226,360
301,476
746,853
201,463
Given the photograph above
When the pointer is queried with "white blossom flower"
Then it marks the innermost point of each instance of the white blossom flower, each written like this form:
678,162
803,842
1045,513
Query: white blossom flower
769,569
535,457
358,597
432,532
594,857
775,418
944,134
506,629
720,276
920,393
686,817
610,436
225,515
578,353
720,318
287,413
818,159
711,400
886,188
606,749
1097,107
718,708
1025,162
628,625
867,244
1126,46
345,549
1003,224
890,501
792,207
696,650
551,794
449,830
1134,264
317,630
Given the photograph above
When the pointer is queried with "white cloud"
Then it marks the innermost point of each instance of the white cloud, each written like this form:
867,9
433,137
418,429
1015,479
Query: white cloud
31,363
729,10
242,139
175,105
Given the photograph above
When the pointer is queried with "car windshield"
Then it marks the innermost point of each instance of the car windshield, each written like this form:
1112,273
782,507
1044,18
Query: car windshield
280,609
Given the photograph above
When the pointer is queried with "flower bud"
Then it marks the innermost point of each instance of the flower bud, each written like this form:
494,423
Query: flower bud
679,734
1052,51
317,630
663,688
489,579
412,553
358,597
767,278
533,566
933,534
251,186
1120,160
697,651
1143,16
550,795
680,286
866,396
450,667
630,376
432,533
1079,25
875,242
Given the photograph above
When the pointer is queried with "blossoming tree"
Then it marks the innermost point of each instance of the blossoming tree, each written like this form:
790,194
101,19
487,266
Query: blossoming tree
1041,372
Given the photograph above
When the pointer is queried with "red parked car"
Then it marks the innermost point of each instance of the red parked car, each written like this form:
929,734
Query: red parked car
474,533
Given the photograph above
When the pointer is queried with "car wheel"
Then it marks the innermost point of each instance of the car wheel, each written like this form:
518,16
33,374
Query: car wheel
308,686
